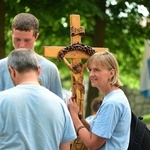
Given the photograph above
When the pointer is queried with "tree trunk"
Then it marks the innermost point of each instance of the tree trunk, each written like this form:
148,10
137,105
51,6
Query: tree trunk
98,41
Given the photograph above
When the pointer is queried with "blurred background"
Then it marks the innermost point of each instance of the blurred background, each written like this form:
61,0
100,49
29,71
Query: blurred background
123,26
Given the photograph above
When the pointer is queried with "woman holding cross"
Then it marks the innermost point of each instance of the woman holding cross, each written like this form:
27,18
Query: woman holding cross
110,130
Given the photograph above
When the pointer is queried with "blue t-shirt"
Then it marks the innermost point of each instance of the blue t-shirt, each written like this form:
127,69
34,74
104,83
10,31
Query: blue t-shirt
49,76
33,118
90,118
113,121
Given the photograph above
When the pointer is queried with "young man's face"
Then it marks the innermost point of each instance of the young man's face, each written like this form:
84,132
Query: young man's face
23,39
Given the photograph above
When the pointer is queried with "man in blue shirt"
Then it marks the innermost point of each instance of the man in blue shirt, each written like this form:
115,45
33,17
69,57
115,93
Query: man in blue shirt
31,116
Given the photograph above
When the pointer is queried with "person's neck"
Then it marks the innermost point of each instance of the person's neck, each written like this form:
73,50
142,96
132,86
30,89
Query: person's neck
29,82
112,88
30,77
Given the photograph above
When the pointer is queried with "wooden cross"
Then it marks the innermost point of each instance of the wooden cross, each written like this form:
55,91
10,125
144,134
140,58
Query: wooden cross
75,52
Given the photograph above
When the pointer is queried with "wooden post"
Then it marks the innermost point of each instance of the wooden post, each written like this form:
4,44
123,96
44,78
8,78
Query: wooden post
76,51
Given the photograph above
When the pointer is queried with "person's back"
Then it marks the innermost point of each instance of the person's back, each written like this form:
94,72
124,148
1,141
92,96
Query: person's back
31,116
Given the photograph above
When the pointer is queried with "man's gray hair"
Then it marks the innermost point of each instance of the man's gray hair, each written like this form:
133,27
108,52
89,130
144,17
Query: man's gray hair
22,60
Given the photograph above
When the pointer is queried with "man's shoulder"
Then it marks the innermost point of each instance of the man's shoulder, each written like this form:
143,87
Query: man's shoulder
3,67
3,61
43,62
7,93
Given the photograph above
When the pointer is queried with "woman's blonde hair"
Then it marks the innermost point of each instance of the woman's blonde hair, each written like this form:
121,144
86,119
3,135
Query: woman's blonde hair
108,61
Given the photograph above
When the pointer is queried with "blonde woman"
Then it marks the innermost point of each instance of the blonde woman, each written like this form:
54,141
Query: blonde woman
110,130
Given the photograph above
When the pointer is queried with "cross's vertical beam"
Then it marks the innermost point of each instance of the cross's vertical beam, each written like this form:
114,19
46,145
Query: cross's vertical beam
75,22
76,91
76,86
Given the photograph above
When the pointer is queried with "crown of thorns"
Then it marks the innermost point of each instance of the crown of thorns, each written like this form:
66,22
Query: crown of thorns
73,47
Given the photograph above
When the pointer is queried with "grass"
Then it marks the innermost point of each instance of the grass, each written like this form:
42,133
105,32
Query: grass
146,118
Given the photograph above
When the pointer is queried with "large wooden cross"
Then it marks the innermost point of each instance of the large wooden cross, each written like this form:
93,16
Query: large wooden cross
75,52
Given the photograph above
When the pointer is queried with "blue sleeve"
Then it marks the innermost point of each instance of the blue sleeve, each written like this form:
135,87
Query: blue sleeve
106,120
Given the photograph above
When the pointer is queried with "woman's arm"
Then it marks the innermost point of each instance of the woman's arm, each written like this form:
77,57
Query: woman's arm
91,140
64,146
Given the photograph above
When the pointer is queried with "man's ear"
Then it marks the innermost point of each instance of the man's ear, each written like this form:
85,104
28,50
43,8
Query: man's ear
39,70
12,72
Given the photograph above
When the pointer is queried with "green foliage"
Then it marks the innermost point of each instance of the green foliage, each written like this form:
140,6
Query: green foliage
146,118
123,35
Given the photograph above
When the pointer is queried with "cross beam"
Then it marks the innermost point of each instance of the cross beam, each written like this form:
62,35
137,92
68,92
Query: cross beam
52,52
